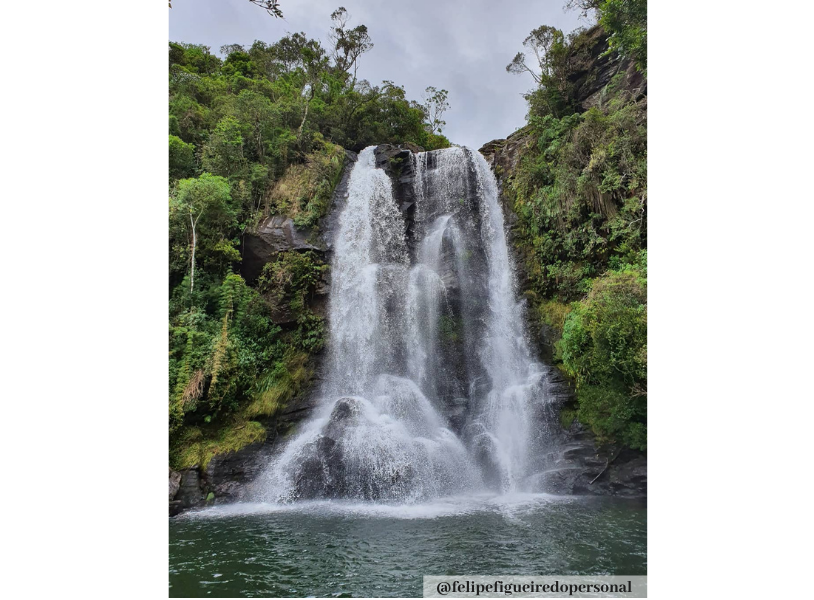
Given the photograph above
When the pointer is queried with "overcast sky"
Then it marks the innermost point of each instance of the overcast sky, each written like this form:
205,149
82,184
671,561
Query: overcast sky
460,45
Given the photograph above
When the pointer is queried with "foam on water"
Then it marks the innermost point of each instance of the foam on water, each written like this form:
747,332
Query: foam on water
508,505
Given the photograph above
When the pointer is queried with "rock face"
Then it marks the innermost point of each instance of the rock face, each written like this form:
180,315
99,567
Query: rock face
274,235
189,493
175,483
278,233
396,160
226,475
578,465
591,70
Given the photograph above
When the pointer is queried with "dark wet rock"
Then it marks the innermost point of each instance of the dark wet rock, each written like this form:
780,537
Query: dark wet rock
189,492
175,483
628,476
329,225
580,467
274,235
322,472
397,162
228,474
591,69
455,410
279,233
503,155
346,410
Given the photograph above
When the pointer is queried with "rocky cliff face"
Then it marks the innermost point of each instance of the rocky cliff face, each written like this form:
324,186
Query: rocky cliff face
580,465
591,69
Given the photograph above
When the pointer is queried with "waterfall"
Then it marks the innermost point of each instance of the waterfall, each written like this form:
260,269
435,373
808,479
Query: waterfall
431,386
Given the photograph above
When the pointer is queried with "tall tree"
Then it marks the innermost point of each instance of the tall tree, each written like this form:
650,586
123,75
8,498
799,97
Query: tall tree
348,44
435,105
541,41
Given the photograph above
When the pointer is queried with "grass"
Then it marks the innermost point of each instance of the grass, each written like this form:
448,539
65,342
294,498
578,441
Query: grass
198,447
553,313
304,192
282,384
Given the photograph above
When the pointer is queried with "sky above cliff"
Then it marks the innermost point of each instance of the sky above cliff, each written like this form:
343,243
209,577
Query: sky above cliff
460,45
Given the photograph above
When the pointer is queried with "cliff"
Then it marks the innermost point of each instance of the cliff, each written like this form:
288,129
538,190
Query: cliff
557,263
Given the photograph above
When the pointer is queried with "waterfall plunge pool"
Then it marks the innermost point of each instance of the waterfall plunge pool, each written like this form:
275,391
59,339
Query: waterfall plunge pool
348,549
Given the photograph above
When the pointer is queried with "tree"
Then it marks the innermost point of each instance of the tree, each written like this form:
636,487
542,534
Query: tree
349,44
208,197
228,49
550,50
223,153
182,158
543,42
255,112
626,23
435,105
314,63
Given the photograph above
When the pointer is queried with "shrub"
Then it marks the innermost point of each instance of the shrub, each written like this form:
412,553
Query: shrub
604,348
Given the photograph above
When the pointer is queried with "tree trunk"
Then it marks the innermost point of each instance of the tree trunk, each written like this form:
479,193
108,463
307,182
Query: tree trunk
305,115
192,272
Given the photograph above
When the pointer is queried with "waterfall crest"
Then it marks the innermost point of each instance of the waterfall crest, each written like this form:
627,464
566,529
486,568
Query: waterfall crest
431,387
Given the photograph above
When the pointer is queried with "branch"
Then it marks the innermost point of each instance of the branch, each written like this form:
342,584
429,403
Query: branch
272,7
608,461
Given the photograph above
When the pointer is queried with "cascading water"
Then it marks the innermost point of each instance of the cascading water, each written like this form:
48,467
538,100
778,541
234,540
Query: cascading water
431,388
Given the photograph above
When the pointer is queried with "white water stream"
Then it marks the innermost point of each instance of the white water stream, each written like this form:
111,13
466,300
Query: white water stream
431,389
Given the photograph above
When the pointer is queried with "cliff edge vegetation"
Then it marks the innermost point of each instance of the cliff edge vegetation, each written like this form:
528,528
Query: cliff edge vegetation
576,176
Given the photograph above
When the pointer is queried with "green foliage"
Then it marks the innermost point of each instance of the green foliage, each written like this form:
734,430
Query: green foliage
450,330
279,385
287,284
219,348
436,142
223,154
198,445
626,22
182,158
304,192
604,348
207,203
553,313
580,194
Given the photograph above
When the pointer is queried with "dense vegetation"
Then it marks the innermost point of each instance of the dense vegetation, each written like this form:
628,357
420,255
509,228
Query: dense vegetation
260,131
580,192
